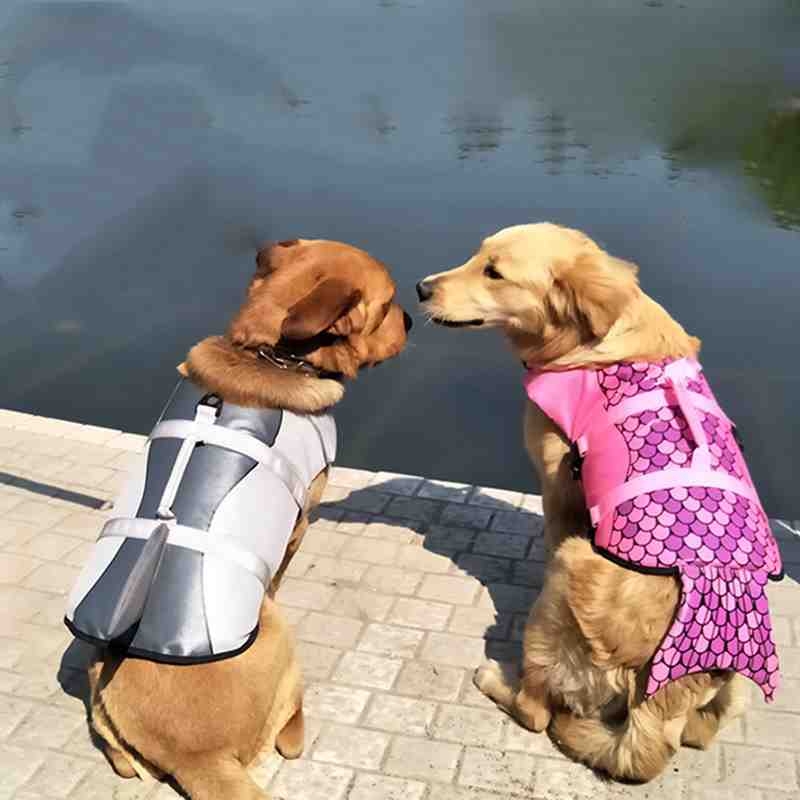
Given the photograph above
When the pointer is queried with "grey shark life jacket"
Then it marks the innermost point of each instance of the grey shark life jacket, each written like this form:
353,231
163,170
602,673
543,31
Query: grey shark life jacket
201,527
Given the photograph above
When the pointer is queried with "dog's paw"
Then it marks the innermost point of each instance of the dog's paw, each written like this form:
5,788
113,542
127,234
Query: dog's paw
487,676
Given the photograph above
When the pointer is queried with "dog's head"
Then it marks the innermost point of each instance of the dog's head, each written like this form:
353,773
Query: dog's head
326,302
548,287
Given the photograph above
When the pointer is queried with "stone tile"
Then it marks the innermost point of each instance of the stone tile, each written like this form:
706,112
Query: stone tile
432,681
445,490
365,669
329,630
82,524
782,630
772,729
353,523
449,589
363,604
12,711
15,568
505,545
403,532
522,740
373,551
37,512
350,747
299,565
336,703
420,614
48,727
17,765
323,542
528,573
414,508
533,504
366,501
498,771
400,715
422,759
453,650
20,603
293,615
379,787
466,516
418,558
518,522
505,597
787,698
14,533
311,780
305,594
503,499
389,640
758,766
78,556
316,660
486,569
481,622
564,779
11,651
350,478
727,793
8,681
394,483
470,726
58,776
392,580
449,540
51,577
790,662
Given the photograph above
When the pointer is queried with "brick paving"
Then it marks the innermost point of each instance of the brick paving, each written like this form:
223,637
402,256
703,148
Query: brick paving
402,587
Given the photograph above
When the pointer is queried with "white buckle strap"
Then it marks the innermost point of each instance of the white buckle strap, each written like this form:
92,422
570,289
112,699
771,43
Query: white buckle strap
198,431
192,538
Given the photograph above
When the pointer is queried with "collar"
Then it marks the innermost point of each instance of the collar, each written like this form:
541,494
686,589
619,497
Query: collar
281,358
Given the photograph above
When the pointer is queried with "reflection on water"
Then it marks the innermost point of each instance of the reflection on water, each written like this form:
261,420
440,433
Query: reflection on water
145,154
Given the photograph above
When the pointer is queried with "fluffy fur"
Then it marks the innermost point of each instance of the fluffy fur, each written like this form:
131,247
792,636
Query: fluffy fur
203,724
563,302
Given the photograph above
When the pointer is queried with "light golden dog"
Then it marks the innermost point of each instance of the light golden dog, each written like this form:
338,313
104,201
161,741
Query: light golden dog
330,309
565,303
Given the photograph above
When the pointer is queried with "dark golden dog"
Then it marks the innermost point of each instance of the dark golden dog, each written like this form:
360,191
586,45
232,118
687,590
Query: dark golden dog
316,312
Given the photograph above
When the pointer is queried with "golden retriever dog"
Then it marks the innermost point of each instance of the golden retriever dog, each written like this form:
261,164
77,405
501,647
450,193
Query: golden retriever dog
564,303
316,312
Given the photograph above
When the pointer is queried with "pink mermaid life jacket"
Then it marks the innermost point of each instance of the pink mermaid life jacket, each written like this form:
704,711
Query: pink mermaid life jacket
668,490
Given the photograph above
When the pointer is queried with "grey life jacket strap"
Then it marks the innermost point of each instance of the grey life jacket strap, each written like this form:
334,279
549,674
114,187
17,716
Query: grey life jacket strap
203,429
191,538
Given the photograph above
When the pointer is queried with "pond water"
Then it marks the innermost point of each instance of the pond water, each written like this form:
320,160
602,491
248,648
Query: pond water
145,148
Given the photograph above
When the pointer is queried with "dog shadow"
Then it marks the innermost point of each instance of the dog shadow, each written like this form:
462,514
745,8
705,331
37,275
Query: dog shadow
491,540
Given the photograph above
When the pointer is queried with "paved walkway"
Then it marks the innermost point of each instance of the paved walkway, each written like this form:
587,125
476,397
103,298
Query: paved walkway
402,587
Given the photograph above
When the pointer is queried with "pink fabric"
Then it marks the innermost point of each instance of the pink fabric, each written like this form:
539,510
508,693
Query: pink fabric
667,488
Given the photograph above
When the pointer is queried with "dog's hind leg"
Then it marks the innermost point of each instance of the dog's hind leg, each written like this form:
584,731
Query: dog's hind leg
215,778
703,723
291,739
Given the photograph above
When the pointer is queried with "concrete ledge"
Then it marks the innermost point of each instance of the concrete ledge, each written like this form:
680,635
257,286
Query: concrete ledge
402,587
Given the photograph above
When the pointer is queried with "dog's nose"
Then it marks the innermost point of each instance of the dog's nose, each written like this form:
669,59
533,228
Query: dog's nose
408,323
424,291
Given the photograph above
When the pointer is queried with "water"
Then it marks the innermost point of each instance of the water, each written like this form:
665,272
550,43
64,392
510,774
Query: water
145,148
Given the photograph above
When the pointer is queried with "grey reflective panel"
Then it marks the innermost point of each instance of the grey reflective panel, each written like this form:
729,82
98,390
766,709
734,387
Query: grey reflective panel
95,613
174,622
210,476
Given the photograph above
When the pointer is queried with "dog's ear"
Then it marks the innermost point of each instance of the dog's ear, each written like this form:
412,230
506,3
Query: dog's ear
594,290
326,306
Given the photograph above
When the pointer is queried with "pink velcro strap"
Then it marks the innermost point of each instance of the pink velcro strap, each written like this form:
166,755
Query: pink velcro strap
670,479
657,399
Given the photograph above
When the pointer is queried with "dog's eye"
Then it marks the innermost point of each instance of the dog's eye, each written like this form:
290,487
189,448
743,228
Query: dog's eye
490,272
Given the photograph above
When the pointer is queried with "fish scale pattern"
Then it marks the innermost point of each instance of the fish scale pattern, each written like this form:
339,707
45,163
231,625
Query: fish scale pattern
719,542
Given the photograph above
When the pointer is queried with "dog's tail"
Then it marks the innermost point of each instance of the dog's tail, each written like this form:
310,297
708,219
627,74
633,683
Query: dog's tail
637,749
218,778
